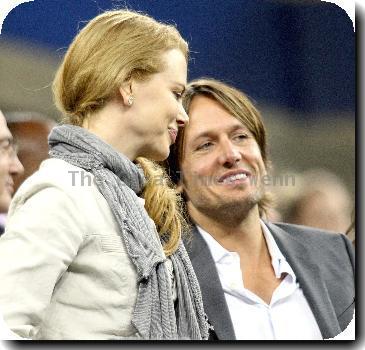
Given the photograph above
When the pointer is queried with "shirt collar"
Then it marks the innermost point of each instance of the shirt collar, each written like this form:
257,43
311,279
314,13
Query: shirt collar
217,251
278,261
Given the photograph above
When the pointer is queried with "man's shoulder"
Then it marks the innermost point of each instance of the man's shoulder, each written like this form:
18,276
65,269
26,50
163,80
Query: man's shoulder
320,242
311,232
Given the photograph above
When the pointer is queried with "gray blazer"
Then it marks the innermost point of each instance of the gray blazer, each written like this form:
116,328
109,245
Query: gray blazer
324,266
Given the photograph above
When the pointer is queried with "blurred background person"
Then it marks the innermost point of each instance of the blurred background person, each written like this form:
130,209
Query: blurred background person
10,168
30,130
318,198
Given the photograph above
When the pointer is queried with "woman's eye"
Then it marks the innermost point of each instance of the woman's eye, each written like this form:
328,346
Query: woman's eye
178,95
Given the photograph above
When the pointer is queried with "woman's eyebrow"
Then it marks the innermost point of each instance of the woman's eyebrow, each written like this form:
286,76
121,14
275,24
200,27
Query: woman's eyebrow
180,85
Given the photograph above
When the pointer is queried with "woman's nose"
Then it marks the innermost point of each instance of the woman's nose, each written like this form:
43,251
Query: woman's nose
182,117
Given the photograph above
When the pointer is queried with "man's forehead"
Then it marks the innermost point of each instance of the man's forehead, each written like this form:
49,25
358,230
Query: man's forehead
4,130
201,127
205,109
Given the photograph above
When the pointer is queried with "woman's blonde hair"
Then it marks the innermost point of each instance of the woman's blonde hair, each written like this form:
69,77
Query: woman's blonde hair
164,205
110,50
239,106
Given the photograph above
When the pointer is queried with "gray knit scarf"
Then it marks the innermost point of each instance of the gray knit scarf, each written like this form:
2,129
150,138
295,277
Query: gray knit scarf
120,181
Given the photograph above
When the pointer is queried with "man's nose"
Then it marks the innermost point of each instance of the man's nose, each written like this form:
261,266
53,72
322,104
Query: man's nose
229,154
16,167
182,117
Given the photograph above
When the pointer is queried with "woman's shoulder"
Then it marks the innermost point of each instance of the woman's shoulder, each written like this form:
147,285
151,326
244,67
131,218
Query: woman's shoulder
58,173
58,176
61,187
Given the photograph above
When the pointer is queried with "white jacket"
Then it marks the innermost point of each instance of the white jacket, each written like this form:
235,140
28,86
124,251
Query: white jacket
64,270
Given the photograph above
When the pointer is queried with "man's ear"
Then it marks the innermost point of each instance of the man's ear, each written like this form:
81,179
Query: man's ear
125,91
179,188
181,191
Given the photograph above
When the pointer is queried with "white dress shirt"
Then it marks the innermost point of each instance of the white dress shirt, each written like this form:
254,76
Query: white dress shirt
288,316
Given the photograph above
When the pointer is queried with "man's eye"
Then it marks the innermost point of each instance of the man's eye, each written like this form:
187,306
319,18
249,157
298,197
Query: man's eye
241,137
204,146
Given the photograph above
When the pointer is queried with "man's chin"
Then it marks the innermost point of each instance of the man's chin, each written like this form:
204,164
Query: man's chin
238,198
5,200
240,201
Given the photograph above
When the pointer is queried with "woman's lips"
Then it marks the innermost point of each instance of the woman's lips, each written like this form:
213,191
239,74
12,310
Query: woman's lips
173,135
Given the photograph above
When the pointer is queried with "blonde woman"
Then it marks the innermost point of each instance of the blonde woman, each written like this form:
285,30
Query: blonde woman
81,257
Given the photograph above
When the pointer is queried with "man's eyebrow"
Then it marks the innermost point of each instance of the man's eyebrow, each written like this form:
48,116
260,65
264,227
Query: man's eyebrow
203,134
208,133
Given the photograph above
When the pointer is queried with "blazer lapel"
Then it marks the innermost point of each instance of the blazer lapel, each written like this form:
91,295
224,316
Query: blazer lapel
310,280
213,296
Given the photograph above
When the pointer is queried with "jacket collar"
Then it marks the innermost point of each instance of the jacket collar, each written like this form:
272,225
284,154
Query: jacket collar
214,301
310,279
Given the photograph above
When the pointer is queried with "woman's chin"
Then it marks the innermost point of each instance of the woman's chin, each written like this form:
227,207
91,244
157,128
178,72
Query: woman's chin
159,155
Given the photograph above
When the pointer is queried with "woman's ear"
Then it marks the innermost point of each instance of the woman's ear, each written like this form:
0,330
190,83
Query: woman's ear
126,94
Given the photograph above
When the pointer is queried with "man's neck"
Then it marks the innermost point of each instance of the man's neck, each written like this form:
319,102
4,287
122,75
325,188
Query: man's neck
247,239
243,236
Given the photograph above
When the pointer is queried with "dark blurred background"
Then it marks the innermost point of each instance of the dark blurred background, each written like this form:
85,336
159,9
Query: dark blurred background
295,59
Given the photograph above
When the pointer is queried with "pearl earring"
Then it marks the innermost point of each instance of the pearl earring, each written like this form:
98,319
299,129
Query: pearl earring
130,100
